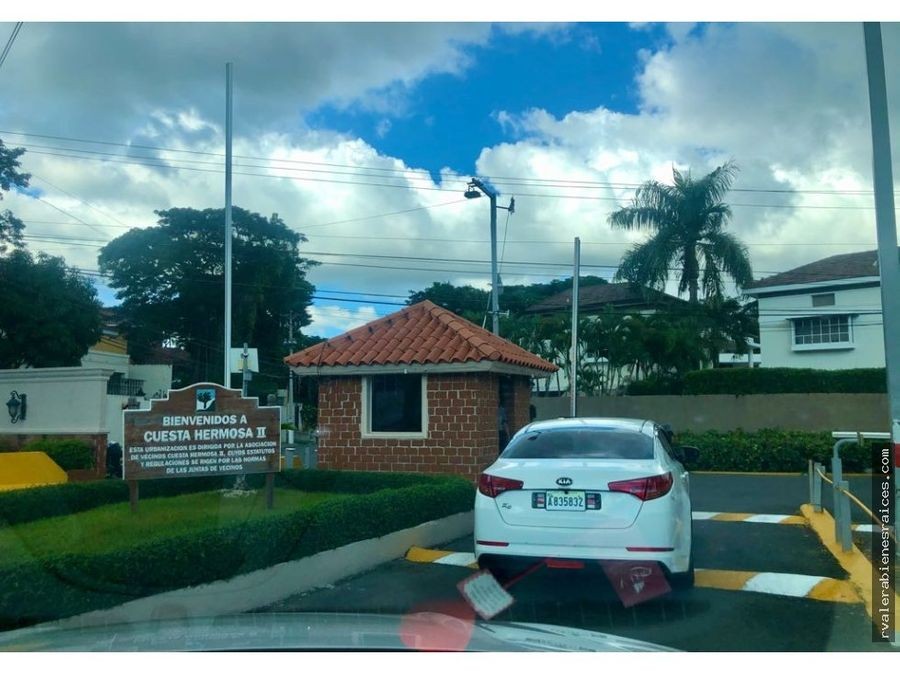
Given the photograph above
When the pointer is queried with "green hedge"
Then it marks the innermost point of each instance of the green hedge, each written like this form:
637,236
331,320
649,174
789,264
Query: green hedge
740,381
68,453
656,386
22,506
769,450
57,587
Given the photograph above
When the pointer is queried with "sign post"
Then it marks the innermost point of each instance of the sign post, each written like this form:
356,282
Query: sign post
202,430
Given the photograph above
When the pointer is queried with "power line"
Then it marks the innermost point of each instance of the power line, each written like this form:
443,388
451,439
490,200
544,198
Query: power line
86,203
423,172
175,167
522,265
9,42
511,242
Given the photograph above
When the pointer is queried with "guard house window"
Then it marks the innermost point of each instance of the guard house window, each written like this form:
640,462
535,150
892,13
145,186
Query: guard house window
823,300
822,331
394,404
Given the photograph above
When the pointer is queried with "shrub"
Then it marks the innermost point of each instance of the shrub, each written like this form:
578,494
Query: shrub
57,587
22,506
68,453
656,385
740,381
770,450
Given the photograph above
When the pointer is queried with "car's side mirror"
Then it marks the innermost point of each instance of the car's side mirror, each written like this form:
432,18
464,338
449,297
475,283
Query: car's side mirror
688,453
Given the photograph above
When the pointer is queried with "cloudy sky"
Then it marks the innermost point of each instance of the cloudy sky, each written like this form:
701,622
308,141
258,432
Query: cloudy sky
363,136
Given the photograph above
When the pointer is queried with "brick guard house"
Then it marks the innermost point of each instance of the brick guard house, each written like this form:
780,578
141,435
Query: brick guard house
419,390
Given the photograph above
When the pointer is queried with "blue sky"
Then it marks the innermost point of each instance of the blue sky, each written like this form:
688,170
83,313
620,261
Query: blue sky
786,100
447,119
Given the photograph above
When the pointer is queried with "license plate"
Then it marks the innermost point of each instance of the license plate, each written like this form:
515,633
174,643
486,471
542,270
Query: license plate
573,500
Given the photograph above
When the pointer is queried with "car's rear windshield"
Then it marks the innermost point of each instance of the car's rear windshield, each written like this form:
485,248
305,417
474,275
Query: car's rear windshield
581,444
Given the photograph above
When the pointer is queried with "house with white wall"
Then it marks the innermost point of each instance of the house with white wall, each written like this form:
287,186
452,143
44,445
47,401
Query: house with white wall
85,401
825,314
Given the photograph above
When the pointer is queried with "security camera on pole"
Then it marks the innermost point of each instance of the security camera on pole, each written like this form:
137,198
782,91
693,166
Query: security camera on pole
472,192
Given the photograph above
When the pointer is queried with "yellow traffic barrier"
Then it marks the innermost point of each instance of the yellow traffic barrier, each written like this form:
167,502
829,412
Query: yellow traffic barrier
20,470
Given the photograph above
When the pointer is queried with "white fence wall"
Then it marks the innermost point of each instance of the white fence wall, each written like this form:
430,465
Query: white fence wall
60,400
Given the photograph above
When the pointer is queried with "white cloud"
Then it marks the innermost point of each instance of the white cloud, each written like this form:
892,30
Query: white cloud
331,320
788,102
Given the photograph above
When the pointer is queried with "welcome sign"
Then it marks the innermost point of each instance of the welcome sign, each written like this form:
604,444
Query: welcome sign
202,430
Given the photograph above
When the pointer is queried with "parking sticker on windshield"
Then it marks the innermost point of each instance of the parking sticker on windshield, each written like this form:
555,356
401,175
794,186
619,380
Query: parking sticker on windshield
486,596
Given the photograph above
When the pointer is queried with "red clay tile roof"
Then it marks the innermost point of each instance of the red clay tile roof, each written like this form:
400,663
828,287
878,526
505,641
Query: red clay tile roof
422,334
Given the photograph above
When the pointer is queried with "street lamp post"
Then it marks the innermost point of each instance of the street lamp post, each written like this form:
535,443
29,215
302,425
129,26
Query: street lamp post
472,192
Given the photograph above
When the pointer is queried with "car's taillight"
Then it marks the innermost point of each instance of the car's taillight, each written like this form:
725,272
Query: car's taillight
492,486
644,489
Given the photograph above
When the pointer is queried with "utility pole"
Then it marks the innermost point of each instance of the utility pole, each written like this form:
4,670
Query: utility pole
290,393
227,375
885,219
573,379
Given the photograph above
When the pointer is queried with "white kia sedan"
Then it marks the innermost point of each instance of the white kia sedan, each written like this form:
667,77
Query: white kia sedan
572,490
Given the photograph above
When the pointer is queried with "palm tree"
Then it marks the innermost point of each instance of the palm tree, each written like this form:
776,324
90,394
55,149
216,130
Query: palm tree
687,220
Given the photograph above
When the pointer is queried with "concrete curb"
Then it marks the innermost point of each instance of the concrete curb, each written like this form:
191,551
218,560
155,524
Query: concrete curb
273,584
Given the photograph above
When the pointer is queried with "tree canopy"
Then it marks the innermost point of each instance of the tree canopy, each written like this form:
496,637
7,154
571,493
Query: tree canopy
472,303
50,315
170,279
687,220
11,228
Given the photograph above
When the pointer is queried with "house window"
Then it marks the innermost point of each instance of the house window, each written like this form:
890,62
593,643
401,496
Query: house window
395,406
822,332
823,300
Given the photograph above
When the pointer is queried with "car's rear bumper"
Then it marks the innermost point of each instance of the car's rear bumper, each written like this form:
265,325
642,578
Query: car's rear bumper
522,556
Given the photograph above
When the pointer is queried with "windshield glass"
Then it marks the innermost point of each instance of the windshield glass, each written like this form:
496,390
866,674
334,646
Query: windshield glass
581,444
464,334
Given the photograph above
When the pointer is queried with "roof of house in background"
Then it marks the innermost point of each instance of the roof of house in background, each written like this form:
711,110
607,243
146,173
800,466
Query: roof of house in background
833,268
603,295
419,335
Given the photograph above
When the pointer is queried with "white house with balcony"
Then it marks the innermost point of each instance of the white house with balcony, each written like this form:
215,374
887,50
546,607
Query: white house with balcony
826,314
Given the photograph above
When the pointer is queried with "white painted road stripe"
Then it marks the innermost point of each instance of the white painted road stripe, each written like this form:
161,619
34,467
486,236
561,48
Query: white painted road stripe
703,515
764,518
793,585
458,559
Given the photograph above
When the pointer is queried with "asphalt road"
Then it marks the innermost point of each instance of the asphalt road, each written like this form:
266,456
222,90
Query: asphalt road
700,619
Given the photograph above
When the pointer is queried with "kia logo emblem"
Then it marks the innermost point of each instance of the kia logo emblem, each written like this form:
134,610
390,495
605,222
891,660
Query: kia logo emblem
565,481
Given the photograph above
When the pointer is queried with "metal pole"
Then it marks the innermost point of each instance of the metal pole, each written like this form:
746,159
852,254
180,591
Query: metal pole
888,260
245,372
573,378
817,489
495,286
227,375
846,535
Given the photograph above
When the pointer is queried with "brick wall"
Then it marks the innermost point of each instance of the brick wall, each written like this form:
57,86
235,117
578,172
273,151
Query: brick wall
462,433
520,414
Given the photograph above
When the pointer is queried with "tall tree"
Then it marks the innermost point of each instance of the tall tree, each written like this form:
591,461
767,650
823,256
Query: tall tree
687,220
50,315
11,228
170,279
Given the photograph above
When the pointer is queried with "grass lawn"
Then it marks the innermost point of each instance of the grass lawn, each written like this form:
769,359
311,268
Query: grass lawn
114,526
